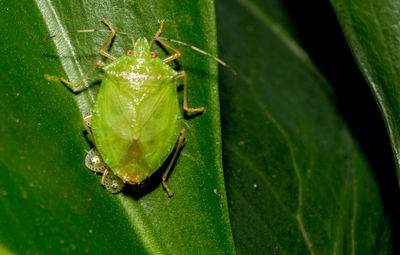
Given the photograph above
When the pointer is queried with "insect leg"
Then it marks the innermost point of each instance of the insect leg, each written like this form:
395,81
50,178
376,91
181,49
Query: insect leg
185,94
171,57
74,85
103,178
156,37
159,31
87,122
113,32
179,145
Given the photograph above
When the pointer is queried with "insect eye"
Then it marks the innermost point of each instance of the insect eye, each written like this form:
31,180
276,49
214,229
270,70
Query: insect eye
153,54
129,52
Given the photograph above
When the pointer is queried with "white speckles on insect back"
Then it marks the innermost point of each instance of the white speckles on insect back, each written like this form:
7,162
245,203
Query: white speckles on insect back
136,95
132,77
132,109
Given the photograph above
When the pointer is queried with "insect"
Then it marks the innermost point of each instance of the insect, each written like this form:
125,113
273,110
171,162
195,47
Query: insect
135,124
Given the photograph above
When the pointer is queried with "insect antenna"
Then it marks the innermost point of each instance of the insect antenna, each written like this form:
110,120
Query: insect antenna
162,38
202,52
85,31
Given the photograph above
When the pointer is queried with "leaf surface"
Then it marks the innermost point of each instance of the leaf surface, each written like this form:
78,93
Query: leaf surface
51,202
372,32
297,182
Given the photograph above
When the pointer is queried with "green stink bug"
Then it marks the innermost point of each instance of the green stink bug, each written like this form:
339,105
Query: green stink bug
136,120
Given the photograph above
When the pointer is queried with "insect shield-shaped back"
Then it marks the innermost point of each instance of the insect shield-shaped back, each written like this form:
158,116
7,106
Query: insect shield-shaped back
136,118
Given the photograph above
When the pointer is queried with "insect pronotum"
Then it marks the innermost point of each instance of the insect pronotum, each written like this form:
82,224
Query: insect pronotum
135,124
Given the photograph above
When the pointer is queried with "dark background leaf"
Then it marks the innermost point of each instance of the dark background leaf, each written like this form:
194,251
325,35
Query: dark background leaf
293,169
371,30
50,201
368,30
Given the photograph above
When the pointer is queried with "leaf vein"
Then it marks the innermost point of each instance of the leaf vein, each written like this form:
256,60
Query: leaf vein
269,116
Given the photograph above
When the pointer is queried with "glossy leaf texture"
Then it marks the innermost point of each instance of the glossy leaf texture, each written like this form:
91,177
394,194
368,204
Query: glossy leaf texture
297,181
50,202
373,35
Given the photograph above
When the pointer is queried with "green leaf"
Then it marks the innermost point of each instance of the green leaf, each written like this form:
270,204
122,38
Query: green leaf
51,203
297,182
372,32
